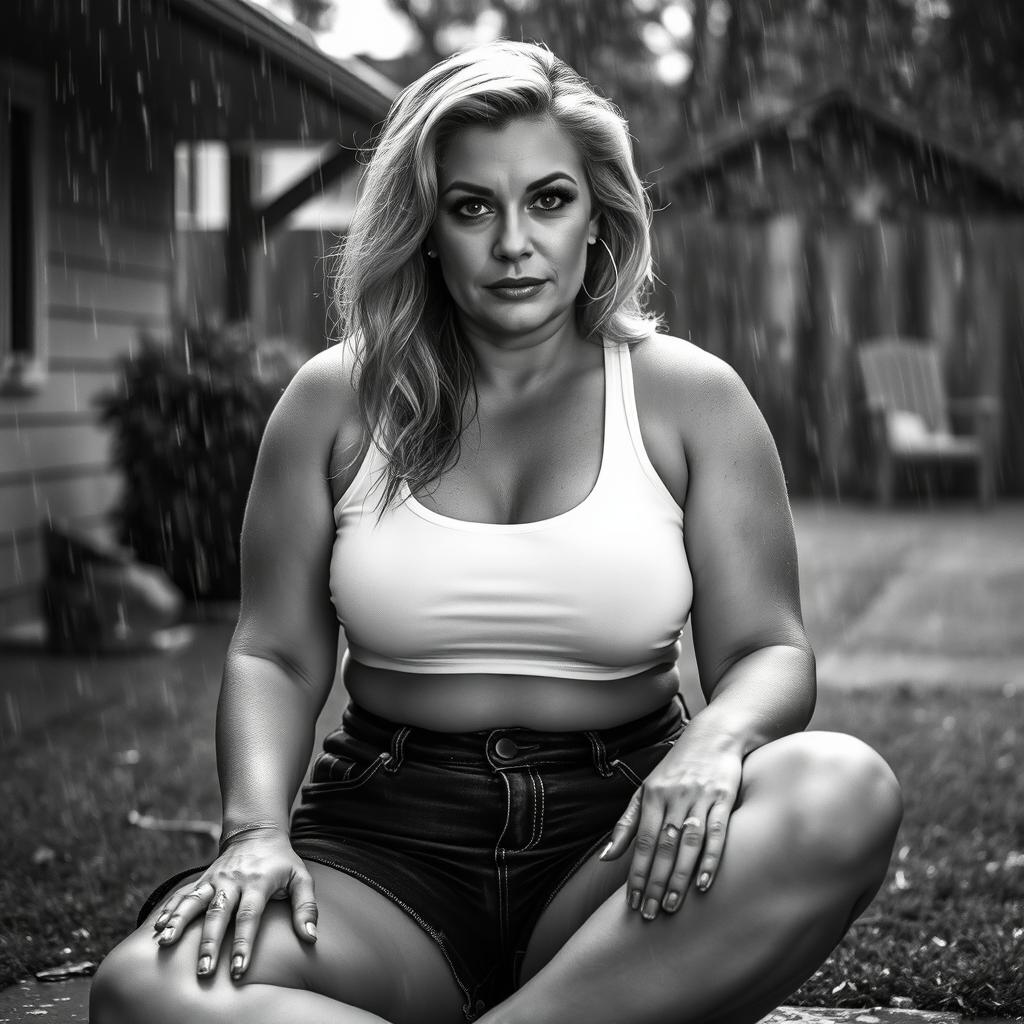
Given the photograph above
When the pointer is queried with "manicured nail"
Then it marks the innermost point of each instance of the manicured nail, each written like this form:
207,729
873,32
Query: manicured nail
205,963
634,900
161,920
604,852
311,929
236,965
650,910
704,881
671,901
167,934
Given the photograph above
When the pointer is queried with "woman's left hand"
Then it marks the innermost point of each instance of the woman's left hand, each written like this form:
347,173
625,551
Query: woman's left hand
679,817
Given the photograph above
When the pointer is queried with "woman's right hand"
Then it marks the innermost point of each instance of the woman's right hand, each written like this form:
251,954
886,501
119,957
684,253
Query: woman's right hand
237,886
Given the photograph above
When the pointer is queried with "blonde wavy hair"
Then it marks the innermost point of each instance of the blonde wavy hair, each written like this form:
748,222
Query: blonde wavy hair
413,374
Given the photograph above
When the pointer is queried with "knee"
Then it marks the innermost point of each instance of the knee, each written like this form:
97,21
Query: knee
132,986
118,991
847,801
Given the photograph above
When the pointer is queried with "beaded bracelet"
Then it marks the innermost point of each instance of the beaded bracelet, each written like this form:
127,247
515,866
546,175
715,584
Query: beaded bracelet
251,827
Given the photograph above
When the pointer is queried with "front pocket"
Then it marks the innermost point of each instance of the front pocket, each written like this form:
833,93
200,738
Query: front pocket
333,772
635,766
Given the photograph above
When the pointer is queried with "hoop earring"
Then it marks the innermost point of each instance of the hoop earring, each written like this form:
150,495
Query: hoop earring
615,270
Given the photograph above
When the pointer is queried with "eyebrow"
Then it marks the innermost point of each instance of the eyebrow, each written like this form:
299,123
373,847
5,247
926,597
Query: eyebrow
480,190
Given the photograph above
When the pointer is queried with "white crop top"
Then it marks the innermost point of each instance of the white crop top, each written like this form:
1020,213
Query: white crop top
601,591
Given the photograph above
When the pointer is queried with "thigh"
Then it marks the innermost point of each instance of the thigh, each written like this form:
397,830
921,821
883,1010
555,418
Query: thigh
364,941
828,789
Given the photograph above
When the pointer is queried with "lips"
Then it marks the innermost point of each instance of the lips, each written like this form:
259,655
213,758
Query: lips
516,289
516,282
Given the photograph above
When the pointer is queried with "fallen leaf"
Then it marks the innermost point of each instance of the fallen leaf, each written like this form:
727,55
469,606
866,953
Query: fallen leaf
81,969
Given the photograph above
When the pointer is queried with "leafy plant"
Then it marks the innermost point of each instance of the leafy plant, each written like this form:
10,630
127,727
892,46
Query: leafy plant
187,424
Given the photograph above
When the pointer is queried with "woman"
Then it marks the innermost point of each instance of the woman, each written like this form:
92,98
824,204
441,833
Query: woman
490,480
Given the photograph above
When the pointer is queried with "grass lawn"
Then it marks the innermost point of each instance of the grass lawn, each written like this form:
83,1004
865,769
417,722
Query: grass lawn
947,929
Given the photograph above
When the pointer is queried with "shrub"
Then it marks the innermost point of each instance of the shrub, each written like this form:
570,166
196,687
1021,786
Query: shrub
187,424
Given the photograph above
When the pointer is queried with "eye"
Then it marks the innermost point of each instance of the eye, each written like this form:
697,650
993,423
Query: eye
553,199
469,209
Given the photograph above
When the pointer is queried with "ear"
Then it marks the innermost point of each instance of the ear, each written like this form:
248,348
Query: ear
595,228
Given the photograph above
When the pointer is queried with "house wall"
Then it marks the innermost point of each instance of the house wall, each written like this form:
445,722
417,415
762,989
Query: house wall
108,277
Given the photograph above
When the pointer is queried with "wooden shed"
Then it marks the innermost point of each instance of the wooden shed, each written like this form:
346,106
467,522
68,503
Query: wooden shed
96,97
783,243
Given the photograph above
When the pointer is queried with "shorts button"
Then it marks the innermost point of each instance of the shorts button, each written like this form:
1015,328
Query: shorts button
506,748
480,1006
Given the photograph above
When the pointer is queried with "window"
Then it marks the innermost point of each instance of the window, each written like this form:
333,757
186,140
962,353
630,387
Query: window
23,239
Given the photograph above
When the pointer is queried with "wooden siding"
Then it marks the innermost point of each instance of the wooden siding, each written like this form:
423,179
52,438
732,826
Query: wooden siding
786,300
109,277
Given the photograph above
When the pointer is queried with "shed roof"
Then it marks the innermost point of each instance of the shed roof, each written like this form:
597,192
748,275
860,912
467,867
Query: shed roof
737,139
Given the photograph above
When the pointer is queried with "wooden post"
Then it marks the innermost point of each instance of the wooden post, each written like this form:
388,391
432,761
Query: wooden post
942,283
783,297
888,308
1011,468
832,380
239,234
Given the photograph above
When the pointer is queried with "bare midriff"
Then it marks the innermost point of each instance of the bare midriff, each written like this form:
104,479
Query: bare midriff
466,702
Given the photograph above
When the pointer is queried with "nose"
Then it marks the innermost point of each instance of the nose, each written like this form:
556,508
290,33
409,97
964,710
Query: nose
513,241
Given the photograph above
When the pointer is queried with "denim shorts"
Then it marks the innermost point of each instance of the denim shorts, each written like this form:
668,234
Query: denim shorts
471,834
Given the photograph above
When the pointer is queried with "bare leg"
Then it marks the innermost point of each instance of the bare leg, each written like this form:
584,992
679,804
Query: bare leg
372,963
806,850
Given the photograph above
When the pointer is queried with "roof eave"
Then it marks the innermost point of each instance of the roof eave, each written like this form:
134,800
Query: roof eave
363,89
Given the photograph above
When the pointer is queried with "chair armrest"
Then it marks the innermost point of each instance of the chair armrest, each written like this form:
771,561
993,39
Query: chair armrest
980,405
982,414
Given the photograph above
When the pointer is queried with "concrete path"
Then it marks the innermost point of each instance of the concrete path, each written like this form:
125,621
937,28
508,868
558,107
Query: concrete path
931,596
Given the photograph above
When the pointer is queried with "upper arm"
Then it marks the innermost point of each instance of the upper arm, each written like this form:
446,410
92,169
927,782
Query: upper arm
286,612
739,528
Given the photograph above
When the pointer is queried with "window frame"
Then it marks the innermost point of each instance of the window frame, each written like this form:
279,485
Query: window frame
23,368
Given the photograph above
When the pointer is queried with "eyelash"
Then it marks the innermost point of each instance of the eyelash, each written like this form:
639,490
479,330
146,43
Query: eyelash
564,196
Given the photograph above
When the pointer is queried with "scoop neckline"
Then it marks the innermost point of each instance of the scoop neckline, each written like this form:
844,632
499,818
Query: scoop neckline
474,526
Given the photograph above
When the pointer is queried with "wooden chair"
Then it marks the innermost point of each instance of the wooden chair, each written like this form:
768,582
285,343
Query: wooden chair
911,418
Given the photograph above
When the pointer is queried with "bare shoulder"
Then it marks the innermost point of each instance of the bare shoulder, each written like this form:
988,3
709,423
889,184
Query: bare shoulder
321,400
326,380
683,386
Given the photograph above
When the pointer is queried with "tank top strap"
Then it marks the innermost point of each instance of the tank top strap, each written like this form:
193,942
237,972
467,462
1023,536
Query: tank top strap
620,408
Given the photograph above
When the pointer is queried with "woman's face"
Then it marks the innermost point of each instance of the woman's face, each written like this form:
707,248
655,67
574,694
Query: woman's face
513,222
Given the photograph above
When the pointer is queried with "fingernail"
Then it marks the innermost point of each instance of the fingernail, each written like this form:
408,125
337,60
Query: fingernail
650,910
236,965
634,900
672,901
161,920
704,881
167,934
205,963
604,852
311,929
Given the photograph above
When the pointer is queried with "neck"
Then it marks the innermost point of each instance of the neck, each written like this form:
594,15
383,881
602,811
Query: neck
524,362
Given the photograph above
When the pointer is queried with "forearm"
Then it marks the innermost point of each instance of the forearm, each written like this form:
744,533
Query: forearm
265,725
764,695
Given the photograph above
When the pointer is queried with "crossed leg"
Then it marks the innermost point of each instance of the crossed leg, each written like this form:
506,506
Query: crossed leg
807,848
372,963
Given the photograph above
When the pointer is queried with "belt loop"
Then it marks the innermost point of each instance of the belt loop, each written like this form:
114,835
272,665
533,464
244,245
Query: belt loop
684,711
600,754
397,749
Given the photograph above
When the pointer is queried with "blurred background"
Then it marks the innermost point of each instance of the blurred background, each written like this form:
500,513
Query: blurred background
839,213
